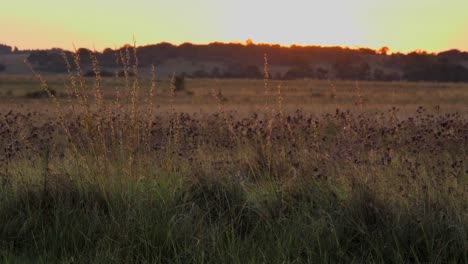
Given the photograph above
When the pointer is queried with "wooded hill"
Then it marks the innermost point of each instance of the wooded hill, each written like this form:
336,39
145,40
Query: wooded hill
234,60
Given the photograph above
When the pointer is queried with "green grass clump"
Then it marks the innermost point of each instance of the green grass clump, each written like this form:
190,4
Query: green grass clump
166,218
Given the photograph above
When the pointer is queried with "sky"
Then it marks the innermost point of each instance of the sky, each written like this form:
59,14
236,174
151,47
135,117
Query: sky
402,25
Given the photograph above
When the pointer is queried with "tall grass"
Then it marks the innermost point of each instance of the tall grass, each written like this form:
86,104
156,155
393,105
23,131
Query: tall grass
107,181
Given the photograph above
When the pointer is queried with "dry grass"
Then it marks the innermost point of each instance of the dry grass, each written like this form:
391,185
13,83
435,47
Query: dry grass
233,171
245,96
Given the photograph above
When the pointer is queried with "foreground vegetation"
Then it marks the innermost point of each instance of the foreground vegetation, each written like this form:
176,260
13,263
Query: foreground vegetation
338,188
112,180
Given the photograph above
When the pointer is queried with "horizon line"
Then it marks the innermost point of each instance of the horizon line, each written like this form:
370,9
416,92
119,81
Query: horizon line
246,43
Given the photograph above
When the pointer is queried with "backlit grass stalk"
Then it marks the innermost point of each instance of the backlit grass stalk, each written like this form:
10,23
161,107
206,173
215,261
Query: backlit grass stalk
135,91
174,129
218,98
150,102
98,96
283,122
99,138
58,107
125,59
73,84
82,82
118,134
117,99
124,138
134,130
87,113
265,81
92,128
116,140
332,90
360,101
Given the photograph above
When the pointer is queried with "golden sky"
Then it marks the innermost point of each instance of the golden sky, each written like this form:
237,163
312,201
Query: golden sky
403,25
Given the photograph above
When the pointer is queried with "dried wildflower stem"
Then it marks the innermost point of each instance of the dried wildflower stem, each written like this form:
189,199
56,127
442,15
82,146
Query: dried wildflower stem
359,95
134,134
125,139
59,109
116,79
23,138
85,107
125,59
117,139
265,81
282,120
332,90
223,113
279,100
136,87
174,127
82,83
72,82
150,103
98,96
172,93
100,109
175,119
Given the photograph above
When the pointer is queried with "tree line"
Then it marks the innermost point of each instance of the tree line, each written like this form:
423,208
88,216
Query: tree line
237,60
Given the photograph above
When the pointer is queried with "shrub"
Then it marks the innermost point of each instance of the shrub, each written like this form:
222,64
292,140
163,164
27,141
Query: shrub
298,73
91,73
200,74
122,74
39,94
179,83
2,67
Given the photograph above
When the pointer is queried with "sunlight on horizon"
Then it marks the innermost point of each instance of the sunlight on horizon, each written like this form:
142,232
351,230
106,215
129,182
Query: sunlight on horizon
431,25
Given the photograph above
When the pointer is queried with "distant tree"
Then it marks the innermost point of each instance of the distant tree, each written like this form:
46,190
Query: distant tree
321,73
383,50
103,74
249,42
392,76
4,49
252,72
367,51
200,73
39,94
239,70
438,72
300,69
108,58
179,83
379,74
298,73
216,72
278,76
84,56
363,71
15,50
47,61
347,66
129,73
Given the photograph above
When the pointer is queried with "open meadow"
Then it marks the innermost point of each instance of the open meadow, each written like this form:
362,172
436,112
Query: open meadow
156,170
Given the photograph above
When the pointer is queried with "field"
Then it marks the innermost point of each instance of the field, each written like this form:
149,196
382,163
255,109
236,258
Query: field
134,170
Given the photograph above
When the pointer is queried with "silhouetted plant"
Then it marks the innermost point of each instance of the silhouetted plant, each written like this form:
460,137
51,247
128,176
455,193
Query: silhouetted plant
179,83
39,94
92,74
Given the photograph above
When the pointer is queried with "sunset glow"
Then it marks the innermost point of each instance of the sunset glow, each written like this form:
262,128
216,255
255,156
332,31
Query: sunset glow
431,25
